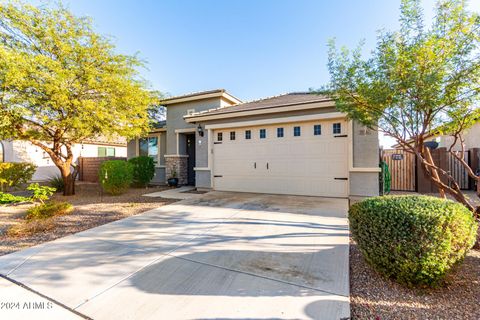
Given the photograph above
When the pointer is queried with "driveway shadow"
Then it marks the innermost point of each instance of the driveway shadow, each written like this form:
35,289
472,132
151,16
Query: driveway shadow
247,273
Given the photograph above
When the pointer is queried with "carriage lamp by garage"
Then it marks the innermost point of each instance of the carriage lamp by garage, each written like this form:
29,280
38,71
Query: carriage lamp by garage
200,130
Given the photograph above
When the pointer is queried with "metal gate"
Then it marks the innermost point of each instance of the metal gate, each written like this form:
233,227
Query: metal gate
402,169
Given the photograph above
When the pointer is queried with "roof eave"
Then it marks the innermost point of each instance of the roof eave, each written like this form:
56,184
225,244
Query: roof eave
201,96
265,110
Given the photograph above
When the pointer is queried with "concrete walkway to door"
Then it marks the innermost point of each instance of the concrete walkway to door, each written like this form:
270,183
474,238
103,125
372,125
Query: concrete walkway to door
220,256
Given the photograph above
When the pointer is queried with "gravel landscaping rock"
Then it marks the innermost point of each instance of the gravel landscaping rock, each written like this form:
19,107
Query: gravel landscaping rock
92,208
374,297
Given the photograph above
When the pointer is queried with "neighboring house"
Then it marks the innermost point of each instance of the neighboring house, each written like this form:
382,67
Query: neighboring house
24,151
294,144
471,137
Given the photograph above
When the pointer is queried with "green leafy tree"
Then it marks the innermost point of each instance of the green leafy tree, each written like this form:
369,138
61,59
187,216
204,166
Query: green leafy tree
417,81
61,83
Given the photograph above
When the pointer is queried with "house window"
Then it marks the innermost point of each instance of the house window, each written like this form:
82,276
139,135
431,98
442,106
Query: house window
232,135
317,130
279,132
248,134
106,152
263,133
149,147
296,131
337,128
190,112
219,136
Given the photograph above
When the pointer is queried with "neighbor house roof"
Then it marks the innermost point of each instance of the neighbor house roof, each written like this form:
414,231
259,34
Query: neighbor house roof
284,100
217,93
119,141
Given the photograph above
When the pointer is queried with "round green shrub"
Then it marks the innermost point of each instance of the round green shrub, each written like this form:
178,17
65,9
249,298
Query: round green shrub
115,176
413,239
143,170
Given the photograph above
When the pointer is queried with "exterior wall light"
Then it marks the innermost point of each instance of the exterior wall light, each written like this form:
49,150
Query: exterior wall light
200,130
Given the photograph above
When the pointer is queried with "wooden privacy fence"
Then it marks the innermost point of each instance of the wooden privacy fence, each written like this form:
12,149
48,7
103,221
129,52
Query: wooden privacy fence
401,165
90,166
407,174
458,171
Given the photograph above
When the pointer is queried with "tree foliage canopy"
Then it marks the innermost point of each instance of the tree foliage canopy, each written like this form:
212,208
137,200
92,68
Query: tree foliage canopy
417,80
62,83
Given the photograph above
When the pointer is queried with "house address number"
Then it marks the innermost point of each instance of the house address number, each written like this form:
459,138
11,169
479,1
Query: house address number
397,156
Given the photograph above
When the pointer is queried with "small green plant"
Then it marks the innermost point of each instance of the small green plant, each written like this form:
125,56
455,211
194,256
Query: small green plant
116,176
174,173
143,170
40,193
48,209
13,175
40,218
7,198
57,183
416,240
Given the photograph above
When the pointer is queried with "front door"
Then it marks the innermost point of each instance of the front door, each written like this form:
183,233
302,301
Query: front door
191,158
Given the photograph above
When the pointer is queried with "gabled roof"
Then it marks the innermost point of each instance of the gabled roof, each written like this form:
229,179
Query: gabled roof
217,93
284,100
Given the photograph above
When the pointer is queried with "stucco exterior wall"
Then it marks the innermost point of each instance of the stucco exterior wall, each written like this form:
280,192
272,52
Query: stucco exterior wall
8,153
365,155
131,149
365,146
202,176
471,136
175,113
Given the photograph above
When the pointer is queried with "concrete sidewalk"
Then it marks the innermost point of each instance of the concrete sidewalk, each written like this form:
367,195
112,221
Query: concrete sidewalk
222,255
21,303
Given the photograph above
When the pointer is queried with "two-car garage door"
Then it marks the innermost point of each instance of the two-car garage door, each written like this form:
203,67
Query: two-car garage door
307,158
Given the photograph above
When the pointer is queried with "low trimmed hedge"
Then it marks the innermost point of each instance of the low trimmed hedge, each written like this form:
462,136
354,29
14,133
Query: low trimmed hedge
143,170
116,176
413,239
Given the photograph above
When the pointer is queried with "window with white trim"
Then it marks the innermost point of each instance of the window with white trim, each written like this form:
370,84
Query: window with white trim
317,130
337,128
106,151
296,131
263,133
280,132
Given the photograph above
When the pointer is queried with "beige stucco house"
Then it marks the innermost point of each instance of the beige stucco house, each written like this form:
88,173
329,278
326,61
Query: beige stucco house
24,151
295,143
471,137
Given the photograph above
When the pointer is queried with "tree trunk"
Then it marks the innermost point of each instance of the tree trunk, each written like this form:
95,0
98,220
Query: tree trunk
68,182
428,157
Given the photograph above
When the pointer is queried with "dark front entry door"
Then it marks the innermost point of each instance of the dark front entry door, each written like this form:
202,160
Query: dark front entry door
191,158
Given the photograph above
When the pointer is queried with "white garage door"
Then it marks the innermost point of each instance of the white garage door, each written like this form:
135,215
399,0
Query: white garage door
307,158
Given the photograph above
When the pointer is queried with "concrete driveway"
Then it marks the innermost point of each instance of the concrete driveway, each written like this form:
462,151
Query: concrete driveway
220,256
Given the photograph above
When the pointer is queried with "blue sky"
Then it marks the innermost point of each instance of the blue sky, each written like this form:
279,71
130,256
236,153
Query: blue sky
253,49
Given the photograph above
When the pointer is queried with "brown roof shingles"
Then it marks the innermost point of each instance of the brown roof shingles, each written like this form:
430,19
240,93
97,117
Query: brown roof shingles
288,99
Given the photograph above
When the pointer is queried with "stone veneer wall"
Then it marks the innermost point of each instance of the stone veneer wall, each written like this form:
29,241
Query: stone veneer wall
179,163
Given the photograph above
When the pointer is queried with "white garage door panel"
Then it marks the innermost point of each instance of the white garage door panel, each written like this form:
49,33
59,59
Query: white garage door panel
304,165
